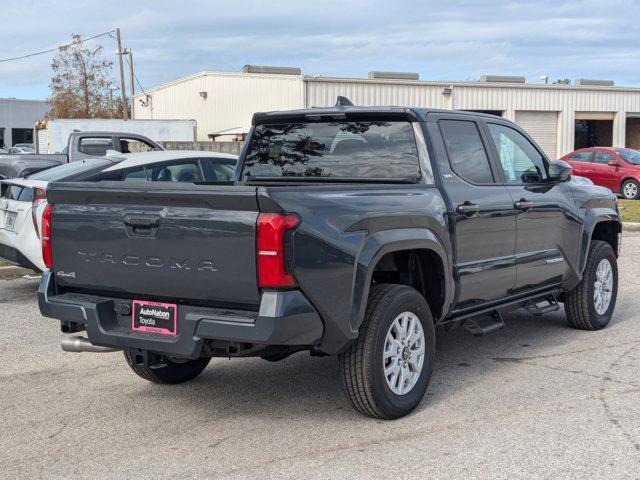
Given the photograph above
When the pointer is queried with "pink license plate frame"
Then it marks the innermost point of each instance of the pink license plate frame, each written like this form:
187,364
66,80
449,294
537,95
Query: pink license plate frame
154,317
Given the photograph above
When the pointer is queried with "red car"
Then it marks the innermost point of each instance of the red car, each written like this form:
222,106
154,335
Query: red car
615,168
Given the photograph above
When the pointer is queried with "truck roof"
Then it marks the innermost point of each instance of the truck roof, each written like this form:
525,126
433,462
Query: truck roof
418,113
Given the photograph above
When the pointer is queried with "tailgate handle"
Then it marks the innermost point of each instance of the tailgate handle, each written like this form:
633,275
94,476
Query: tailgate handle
142,222
139,226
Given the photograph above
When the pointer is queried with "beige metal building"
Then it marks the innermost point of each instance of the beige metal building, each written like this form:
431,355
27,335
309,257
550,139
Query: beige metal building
560,118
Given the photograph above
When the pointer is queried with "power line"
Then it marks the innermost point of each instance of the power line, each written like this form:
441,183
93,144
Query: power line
136,77
54,49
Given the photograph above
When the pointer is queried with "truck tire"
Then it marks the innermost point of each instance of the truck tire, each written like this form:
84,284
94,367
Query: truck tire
386,371
171,372
590,305
630,190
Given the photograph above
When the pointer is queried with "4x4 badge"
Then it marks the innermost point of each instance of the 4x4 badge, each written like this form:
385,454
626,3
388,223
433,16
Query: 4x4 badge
65,274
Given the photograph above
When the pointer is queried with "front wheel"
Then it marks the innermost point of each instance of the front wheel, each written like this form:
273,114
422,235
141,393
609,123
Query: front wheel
169,371
386,371
630,190
590,305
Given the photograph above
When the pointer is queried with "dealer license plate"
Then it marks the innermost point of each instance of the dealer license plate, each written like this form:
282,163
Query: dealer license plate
155,317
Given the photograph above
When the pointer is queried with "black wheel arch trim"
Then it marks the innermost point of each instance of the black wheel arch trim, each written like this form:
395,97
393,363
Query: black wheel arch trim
386,241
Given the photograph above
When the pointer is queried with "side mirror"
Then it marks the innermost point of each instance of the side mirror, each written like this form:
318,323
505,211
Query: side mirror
614,163
560,171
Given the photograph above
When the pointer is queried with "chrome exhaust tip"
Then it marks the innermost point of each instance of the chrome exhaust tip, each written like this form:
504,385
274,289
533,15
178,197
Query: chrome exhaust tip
71,343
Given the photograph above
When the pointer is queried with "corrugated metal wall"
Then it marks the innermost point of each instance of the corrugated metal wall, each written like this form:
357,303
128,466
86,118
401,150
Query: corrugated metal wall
506,98
232,98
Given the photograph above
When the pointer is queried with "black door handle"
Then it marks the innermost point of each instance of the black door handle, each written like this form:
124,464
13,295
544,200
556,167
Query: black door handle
467,208
523,204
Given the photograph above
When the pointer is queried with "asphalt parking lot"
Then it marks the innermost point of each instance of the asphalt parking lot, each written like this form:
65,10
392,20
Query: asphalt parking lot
534,400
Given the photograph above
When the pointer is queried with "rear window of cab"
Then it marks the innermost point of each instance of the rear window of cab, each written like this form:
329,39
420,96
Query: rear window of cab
335,149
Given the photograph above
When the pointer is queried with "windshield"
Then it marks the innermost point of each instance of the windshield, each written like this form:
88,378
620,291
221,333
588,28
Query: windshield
340,149
629,156
67,170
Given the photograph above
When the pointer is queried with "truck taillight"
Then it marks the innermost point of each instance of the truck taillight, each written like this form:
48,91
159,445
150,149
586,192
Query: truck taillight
272,228
46,236
39,197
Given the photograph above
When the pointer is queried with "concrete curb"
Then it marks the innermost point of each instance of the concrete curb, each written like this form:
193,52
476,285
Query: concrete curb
631,226
11,272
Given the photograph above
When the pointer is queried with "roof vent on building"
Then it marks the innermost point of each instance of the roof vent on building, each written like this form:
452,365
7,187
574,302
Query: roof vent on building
501,79
271,70
581,82
395,75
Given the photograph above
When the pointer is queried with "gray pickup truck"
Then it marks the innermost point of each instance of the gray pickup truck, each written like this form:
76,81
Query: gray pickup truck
81,145
349,231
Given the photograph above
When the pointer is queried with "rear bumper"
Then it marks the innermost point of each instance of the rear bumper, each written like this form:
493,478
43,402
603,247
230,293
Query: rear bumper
284,318
13,256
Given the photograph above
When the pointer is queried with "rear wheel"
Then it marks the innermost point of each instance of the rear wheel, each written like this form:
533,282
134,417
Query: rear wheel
169,371
590,305
386,371
630,190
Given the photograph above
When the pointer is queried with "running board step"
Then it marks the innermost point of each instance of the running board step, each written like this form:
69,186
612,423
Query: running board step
534,309
478,327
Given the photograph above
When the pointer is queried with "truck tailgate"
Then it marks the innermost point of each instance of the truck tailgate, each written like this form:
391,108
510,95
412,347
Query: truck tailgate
191,243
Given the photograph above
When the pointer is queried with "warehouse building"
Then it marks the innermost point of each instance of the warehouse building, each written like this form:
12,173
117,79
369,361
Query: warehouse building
17,118
560,118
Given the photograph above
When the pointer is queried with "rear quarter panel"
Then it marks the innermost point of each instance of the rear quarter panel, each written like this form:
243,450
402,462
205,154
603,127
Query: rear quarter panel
344,231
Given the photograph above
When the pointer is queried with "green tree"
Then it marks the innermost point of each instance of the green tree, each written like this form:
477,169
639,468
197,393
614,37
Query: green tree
562,81
81,83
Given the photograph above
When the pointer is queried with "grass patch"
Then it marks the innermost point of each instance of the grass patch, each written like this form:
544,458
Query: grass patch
629,210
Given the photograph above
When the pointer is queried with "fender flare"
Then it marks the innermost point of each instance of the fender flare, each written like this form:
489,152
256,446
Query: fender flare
385,241
592,219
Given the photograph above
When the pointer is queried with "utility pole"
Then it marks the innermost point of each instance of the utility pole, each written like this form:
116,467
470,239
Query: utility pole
122,86
132,87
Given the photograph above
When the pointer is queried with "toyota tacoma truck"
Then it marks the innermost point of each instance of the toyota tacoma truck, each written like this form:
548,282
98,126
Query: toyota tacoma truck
347,231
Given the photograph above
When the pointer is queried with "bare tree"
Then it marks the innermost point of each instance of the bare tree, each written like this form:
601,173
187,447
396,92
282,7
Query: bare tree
81,82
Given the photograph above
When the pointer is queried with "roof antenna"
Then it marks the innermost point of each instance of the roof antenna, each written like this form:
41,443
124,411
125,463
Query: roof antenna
343,102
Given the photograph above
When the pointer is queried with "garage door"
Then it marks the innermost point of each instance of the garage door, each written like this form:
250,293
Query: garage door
542,127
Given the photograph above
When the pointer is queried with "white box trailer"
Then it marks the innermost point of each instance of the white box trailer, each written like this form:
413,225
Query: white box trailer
51,136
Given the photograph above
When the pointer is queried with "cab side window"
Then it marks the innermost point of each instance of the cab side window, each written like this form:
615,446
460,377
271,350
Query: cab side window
95,146
133,145
467,156
520,160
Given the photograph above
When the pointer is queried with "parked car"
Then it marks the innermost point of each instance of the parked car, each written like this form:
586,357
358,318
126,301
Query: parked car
171,166
349,231
81,145
29,146
618,169
24,200
15,150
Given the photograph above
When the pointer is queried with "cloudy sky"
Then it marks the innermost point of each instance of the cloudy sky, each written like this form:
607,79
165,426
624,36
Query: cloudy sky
453,40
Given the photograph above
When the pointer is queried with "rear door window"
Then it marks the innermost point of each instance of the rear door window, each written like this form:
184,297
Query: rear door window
97,146
467,155
339,149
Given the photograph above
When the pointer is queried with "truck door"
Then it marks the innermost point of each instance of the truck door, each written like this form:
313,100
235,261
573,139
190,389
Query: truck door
547,219
480,211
